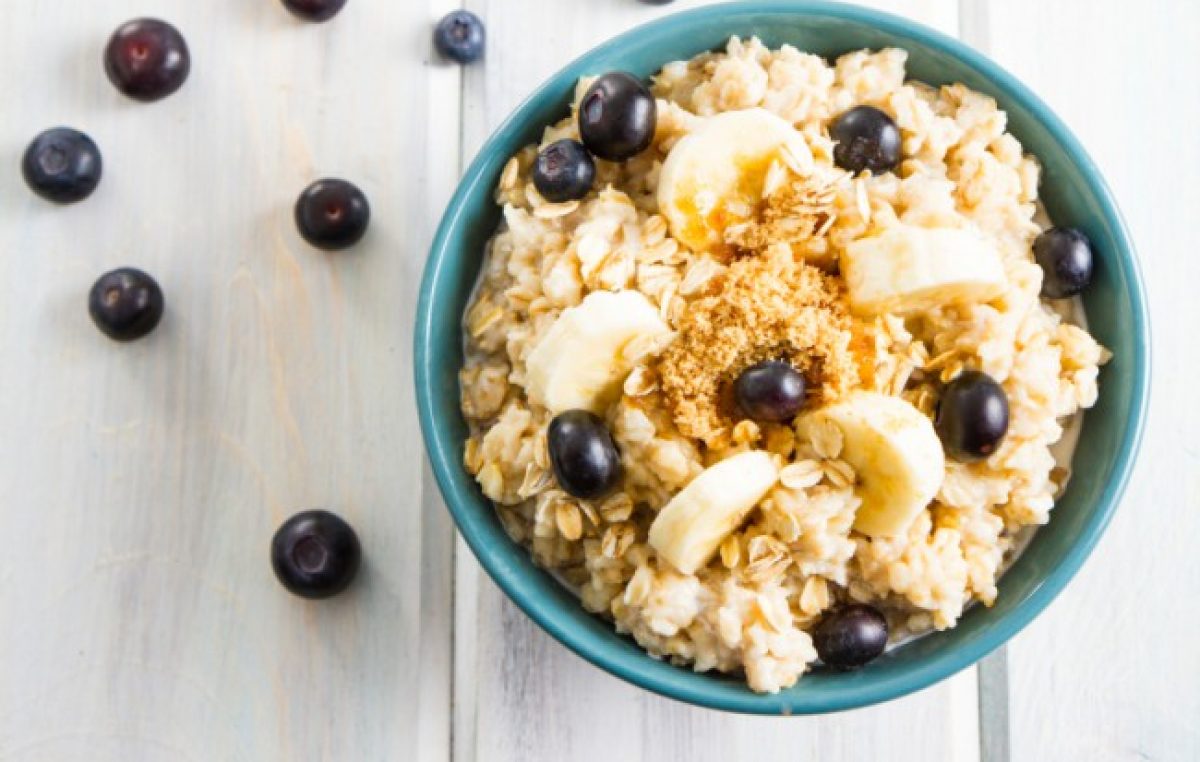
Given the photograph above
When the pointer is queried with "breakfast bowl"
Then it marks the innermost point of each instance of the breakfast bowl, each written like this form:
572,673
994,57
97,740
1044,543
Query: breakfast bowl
1072,193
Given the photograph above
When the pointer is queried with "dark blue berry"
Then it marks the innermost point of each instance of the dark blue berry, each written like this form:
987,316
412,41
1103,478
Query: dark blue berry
460,37
314,10
867,138
583,454
617,116
1065,256
770,391
126,304
332,214
972,416
315,554
564,171
147,59
62,165
851,636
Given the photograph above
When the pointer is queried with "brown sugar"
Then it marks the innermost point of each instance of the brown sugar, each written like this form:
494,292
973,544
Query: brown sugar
765,306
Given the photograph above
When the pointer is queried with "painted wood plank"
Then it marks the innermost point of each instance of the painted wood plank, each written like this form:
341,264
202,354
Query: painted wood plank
1110,671
139,619
521,696
992,670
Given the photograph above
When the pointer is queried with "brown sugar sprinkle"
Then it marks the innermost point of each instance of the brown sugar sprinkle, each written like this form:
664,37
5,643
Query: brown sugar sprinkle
764,306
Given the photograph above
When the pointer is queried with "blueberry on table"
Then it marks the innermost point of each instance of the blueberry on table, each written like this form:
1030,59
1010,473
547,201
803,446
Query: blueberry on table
460,37
126,304
564,171
770,391
867,138
147,59
315,554
851,636
62,165
332,214
1065,256
583,454
314,10
972,416
617,116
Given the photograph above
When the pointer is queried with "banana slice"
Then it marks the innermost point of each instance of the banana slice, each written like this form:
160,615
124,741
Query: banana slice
578,363
909,268
896,455
688,530
713,177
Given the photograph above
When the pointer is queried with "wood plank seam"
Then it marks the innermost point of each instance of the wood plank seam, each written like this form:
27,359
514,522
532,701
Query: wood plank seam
994,741
457,546
994,745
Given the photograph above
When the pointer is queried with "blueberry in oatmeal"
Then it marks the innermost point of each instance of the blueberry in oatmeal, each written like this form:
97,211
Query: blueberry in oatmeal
564,171
774,325
585,458
1065,256
772,390
851,636
972,416
867,139
617,116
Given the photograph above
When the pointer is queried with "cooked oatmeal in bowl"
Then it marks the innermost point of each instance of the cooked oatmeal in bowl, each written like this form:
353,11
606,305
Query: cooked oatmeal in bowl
769,357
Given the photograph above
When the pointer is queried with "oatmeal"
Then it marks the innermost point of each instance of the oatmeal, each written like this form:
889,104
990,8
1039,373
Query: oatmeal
762,361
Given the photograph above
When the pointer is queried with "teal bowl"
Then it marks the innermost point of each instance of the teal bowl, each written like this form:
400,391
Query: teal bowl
1074,194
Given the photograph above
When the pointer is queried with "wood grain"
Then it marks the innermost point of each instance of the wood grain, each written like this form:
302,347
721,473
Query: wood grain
521,696
138,616
142,482
1111,671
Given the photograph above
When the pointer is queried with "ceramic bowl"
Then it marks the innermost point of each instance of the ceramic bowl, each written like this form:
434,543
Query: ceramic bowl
1074,194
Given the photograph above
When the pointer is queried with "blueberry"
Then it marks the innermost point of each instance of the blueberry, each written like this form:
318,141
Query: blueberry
147,59
332,214
1065,256
867,138
972,416
460,37
62,165
583,454
564,171
126,304
851,636
315,554
314,10
770,391
617,116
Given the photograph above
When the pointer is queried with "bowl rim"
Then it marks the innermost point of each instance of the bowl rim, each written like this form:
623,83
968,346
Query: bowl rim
445,458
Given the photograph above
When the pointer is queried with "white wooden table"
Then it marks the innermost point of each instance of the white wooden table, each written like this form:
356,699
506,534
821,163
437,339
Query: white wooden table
140,484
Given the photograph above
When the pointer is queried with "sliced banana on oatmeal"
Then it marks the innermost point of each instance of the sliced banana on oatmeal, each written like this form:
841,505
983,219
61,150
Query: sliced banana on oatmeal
907,268
688,530
579,363
895,453
713,178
